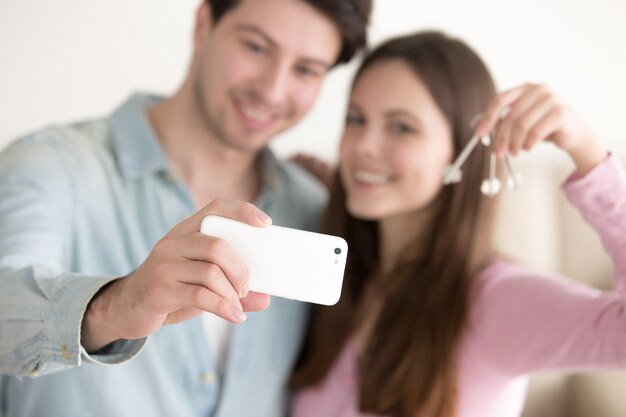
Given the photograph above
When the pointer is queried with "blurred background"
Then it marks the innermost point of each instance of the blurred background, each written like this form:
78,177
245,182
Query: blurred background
66,60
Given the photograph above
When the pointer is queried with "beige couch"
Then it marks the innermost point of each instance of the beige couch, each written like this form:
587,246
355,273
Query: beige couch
538,227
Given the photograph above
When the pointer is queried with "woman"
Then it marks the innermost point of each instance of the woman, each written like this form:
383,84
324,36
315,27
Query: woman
431,322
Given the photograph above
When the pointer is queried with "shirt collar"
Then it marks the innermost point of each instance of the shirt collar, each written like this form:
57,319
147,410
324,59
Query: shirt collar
135,144
138,150
269,169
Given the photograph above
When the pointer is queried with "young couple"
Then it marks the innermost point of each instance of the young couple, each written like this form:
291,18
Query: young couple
100,245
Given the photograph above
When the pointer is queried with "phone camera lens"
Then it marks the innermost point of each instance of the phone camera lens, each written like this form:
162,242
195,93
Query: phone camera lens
337,251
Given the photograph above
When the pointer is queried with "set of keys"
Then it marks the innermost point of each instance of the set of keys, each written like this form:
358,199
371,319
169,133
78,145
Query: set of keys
492,185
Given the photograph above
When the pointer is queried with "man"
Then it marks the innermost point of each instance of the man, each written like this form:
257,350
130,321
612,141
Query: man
83,205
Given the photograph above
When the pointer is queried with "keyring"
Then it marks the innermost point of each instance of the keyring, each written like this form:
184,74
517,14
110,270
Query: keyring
490,186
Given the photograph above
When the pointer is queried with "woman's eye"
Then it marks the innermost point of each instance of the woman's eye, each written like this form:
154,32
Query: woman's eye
402,128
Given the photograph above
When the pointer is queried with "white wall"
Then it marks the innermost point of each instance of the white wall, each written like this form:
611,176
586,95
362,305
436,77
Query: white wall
64,60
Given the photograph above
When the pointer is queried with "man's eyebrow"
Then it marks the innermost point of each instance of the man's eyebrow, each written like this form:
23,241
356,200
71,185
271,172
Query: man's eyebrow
256,30
318,62
354,106
259,32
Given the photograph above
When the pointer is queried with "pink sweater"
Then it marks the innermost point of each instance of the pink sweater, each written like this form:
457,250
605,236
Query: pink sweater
522,321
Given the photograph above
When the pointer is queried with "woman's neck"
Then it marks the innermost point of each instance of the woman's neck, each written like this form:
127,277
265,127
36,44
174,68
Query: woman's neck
402,233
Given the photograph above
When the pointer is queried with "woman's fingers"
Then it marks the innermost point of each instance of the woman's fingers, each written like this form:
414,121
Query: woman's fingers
493,113
516,128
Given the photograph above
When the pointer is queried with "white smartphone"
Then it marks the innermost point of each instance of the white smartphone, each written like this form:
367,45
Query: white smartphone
285,262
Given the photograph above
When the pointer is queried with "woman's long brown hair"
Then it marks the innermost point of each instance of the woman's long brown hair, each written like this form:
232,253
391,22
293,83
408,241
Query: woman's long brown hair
408,365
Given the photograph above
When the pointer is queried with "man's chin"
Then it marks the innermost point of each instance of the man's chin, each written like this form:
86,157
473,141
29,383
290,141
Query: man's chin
254,141
246,145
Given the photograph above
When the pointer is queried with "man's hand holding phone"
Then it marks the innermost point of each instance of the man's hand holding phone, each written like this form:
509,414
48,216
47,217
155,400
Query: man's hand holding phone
185,274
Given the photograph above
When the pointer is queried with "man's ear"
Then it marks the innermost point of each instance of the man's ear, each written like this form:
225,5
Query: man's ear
204,20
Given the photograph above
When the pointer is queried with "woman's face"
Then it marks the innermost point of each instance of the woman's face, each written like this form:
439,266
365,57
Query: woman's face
396,144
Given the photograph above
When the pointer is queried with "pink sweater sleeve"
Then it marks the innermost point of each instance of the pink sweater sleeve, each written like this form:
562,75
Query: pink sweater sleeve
524,321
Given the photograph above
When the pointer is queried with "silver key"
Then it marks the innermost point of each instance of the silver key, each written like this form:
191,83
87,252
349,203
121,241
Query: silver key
453,173
491,186
514,178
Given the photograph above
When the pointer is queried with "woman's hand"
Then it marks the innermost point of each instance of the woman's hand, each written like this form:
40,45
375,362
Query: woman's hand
319,168
526,115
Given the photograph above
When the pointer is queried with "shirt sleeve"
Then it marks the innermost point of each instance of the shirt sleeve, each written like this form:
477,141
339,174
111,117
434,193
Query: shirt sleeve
41,303
526,321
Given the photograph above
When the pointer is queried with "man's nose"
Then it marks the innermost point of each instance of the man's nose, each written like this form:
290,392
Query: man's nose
273,86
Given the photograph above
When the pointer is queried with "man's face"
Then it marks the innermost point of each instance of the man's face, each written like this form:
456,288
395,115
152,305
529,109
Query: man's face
258,70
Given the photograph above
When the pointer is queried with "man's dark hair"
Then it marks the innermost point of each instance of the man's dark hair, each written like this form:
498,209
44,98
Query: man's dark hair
350,16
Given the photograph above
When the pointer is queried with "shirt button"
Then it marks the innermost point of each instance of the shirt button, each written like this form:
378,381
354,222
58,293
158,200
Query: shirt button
168,177
208,377
65,352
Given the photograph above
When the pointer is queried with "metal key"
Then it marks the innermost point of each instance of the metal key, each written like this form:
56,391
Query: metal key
514,178
453,173
491,186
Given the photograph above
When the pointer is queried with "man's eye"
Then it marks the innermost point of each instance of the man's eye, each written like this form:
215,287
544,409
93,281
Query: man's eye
307,72
355,120
256,48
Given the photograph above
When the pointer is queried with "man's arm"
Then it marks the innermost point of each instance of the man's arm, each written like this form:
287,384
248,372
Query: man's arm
41,305
185,274
51,319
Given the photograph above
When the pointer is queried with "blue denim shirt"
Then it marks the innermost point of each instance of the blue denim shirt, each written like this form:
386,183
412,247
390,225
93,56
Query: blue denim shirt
83,204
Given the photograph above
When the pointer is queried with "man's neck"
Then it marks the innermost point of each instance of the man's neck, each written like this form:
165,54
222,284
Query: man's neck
209,168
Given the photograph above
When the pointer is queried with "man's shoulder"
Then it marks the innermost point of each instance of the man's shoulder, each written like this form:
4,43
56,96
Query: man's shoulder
56,148
302,197
77,136
300,182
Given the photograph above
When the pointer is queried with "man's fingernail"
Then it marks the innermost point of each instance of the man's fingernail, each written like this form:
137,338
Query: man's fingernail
245,290
264,217
239,315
